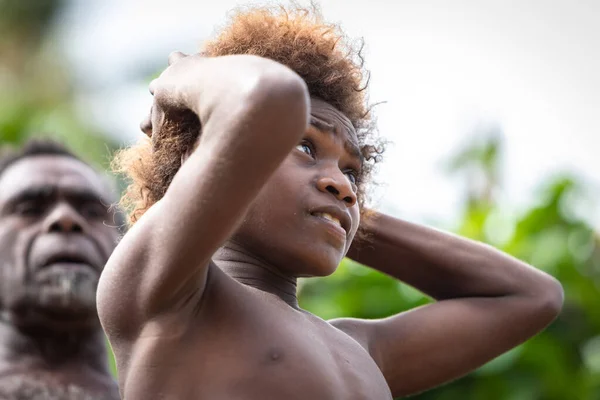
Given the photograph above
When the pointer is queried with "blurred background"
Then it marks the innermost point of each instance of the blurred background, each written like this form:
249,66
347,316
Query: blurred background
492,108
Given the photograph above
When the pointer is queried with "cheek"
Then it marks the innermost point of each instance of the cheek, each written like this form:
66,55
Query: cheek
277,205
270,206
13,244
12,263
283,191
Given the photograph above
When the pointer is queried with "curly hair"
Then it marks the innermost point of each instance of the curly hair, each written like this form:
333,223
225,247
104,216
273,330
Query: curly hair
34,147
319,52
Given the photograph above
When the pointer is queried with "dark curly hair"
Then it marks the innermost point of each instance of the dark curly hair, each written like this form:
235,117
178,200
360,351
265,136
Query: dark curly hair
34,147
329,63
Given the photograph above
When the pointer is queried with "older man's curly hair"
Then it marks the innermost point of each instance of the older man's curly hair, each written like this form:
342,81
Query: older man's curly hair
329,63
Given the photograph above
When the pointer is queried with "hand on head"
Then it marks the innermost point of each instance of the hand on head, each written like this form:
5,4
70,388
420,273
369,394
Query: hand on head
171,91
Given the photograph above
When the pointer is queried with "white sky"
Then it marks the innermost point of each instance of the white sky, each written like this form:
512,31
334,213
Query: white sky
532,66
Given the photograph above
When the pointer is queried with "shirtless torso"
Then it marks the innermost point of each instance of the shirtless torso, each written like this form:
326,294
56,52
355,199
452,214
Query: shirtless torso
244,343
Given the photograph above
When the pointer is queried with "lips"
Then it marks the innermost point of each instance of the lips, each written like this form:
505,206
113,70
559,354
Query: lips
333,215
67,259
328,217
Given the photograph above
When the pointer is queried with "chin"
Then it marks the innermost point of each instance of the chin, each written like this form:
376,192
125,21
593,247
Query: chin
57,308
47,320
66,292
320,264
60,321
65,305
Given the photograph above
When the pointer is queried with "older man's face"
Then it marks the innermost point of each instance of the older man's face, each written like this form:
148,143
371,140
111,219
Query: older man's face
56,234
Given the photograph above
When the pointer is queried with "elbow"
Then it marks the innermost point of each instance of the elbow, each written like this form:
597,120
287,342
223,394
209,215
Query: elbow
283,84
277,80
556,297
548,300
261,97
281,89
279,95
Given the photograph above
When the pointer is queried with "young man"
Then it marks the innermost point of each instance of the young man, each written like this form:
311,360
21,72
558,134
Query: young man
254,175
56,234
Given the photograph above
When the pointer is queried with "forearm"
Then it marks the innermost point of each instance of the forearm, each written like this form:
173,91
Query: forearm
443,265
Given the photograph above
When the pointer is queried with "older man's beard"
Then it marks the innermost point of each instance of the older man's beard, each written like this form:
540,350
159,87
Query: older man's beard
29,388
56,294
65,291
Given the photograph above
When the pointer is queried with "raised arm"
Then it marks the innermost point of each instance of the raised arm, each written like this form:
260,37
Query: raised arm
488,302
252,112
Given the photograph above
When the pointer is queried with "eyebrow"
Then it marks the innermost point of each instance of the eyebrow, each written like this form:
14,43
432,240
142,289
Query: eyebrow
45,192
321,124
325,126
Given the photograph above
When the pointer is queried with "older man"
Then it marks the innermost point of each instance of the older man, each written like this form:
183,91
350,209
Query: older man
56,233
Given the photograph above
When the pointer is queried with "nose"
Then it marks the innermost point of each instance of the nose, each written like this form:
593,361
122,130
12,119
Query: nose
64,219
339,186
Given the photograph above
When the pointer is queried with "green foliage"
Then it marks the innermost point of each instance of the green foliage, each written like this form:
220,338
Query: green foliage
36,96
30,15
561,363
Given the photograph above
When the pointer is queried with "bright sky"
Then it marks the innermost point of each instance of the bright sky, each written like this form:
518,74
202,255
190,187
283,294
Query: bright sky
531,66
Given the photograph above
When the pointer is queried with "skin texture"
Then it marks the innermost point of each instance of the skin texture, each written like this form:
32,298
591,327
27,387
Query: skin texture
199,298
55,238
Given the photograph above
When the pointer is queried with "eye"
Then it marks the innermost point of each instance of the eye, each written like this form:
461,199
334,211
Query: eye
352,176
307,148
30,209
93,210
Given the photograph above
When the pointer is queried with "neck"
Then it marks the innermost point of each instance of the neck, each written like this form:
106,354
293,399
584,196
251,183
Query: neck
253,271
85,349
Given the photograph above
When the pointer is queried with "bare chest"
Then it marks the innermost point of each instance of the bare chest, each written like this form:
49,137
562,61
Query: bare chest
314,363
256,355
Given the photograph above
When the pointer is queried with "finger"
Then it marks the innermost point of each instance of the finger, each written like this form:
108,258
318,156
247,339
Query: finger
176,56
146,124
151,86
157,117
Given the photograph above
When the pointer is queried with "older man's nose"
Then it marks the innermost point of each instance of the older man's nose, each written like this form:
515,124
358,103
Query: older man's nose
64,219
